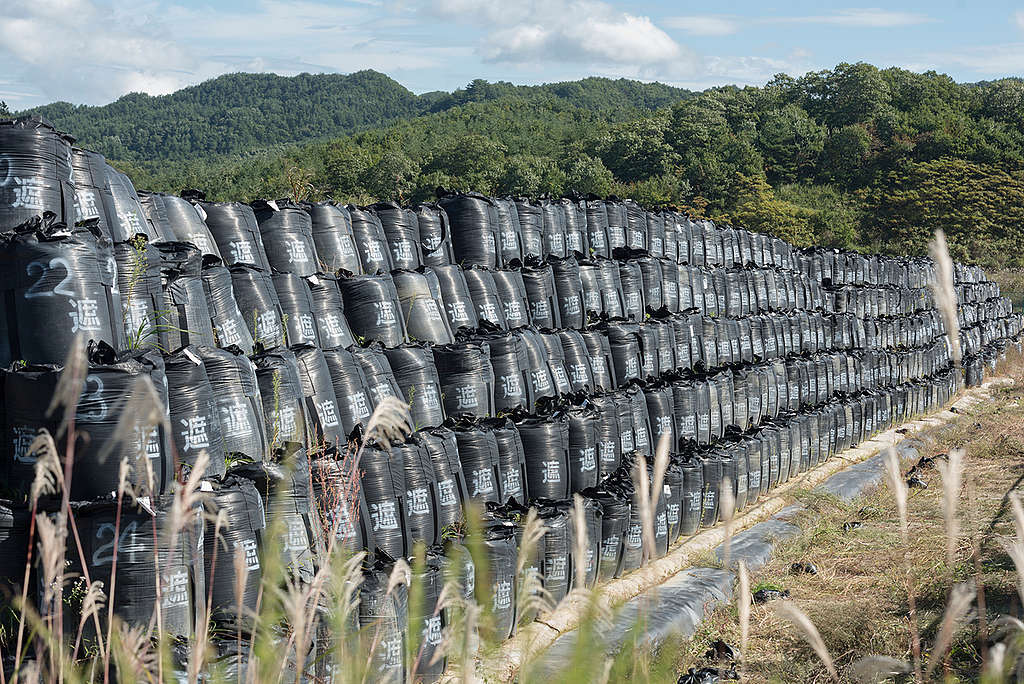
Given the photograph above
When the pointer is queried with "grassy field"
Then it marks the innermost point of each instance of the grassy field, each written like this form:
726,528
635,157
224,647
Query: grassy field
860,598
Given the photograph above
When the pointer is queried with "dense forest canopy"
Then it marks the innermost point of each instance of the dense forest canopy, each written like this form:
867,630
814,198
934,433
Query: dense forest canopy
853,156
236,113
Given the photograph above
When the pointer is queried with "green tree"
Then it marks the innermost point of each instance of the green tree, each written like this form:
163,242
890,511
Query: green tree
236,114
714,154
585,174
790,142
637,150
845,156
781,90
471,162
344,165
4,111
837,214
851,156
530,175
1003,100
758,209
666,189
848,94
980,208
392,176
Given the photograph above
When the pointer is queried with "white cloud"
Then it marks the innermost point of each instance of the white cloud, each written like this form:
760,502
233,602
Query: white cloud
1018,17
78,48
859,18
565,31
751,69
93,51
86,51
479,11
991,61
628,40
716,25
704,25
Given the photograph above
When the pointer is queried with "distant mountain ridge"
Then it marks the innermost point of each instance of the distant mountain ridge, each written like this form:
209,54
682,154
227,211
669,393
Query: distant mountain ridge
238,113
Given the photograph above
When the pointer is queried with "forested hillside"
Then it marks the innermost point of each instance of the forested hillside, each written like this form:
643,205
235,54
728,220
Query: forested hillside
854,157
237,113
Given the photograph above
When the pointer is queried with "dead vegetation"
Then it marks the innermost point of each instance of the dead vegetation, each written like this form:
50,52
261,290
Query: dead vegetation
859,600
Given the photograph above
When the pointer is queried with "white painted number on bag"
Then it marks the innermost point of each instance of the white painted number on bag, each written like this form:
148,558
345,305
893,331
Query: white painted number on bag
43,270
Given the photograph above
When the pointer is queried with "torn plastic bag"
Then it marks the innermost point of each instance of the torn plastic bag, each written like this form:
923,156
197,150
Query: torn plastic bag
258,303
510,237
443,449
194,417
107,393
284,487
239,405
143,543
583,449
577,361
284,407
323,419
58,283
37,171
484,293
569,293
467,379
238,500
601,365
510,362
383,485
138,279
297,304
531,226
420,492
380,379
546,444
329,312
540,292
474,233
511,463
354,403
478,455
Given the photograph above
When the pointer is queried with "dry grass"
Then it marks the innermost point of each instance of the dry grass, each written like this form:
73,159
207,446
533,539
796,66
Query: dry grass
859,600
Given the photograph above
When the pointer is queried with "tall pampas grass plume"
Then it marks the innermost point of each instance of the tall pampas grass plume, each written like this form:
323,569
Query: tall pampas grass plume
952,477
944,292
787,610
744,609
960,599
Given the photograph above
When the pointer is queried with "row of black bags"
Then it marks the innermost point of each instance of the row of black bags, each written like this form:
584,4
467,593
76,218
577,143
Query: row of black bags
542,345
221,402
752,463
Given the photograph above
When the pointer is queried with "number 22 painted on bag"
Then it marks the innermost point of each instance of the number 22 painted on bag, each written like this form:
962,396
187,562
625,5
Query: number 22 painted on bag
37,289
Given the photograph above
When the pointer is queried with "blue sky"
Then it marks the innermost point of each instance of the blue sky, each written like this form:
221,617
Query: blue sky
93,51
